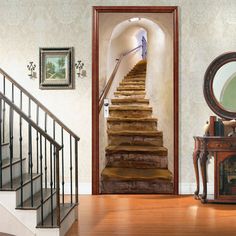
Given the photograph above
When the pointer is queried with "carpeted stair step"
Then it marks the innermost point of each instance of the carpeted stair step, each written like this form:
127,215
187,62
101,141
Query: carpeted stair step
131,123
130,101
130,111
140,137
132,180
136,157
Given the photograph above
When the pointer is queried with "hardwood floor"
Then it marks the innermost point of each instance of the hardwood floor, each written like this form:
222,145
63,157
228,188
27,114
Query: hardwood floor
136,215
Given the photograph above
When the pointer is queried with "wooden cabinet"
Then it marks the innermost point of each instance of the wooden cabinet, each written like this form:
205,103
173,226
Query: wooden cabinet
223,150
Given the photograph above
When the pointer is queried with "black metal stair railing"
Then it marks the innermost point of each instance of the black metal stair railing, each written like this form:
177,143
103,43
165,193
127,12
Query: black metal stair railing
32,174
16,99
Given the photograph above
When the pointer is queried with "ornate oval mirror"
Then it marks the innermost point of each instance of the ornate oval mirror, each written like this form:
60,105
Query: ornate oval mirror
220,85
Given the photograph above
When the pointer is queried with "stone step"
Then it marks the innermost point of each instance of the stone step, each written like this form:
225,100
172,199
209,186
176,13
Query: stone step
138,83
160,151
139,68
131,88
130,111
135,76
142,138
134,79
131,124
131,180
129,101
138,74
136,156
136,160
135,94
136,174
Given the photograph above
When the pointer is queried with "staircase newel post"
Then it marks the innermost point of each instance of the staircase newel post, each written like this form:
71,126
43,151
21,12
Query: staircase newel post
76,172
58,186
0,143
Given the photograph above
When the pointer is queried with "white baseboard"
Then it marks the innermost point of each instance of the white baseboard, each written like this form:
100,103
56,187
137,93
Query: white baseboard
189,188
184,188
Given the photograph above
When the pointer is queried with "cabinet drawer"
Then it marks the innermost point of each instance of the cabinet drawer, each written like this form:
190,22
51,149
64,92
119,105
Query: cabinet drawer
221,145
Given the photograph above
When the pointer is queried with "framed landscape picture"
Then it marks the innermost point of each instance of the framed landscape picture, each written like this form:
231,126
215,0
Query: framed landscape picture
56,68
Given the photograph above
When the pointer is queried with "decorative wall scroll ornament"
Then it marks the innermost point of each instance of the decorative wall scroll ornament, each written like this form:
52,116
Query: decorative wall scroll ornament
80,66
31,67
56,68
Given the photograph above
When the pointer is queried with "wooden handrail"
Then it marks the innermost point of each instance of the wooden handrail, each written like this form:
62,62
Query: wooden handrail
111,79
39,104
28,120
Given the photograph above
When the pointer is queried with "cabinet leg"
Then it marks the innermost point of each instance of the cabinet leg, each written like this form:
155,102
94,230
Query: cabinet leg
195,163
203,161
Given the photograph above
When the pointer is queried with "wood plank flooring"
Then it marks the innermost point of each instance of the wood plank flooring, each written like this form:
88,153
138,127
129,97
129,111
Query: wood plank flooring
149,215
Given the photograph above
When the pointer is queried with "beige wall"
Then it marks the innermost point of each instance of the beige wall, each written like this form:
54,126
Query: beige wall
207,28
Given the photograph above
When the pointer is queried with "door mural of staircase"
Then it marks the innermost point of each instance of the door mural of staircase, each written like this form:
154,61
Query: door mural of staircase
38,165
136,158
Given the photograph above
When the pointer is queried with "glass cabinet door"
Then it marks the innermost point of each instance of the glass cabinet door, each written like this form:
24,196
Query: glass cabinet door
227,176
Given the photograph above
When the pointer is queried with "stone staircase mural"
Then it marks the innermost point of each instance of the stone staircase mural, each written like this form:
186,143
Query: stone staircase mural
135,156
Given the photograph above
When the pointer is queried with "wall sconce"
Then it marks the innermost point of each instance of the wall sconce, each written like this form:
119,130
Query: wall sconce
79,66
31,67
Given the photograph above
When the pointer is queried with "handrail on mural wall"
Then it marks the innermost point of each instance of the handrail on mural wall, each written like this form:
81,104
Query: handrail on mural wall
111,79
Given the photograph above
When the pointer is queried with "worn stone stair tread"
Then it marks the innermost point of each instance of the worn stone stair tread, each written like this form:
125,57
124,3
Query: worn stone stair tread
136,75
129,100
128,93
161,151
132,174
138,71
16,182
6,162
133,83
136,119
131,88
130,108
65,209
133,78
136,158
149,133
37,199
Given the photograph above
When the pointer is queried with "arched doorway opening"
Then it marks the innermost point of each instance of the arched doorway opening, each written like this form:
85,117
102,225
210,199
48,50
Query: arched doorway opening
161,42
